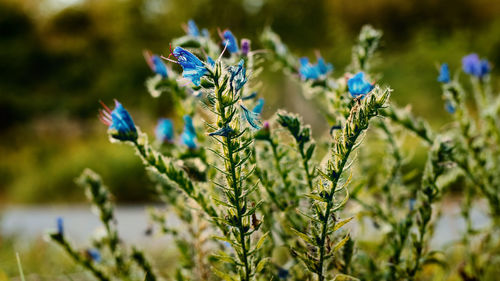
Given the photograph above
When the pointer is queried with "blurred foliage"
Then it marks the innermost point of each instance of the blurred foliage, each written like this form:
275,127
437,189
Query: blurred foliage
59,57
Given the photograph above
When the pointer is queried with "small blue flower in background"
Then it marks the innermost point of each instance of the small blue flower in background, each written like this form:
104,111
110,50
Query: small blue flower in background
259,107
94,254
449,107
188,136
60,226
119,122
411,204
472,65
210,61
156,64
230,41
193,67
165,130
444,74
245,46
251,117
358,85
192,29
205,33
323,67
238,75
307,70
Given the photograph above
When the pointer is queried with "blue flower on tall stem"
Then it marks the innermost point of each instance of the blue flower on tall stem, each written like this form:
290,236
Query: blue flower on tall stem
188,136
444,74
156,64
472,65
192,28
358,85
230,41
119,122
193,67
165,130
94,254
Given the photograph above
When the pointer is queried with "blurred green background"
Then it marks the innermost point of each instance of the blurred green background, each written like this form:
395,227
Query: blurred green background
60,57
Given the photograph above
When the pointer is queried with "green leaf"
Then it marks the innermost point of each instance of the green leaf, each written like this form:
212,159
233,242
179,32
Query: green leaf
262,263
304,236
341,223
341,243
224,276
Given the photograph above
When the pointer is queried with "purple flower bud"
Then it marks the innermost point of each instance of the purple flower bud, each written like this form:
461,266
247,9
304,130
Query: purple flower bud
245,46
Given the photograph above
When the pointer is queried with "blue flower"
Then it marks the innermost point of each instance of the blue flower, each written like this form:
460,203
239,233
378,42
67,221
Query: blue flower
411,204
165,130
251,117
444,74
283,273
119,122
94,254
472,65
230,40
60,226
210,61
193,68
449,107
205,33
189,134
358,85
156,64
324,68
192,29
159,66
259,107
307,70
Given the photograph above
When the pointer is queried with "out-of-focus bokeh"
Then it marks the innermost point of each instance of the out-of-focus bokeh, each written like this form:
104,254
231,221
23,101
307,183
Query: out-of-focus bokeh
60,57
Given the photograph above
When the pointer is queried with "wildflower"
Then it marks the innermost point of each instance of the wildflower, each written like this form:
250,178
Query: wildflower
224,132
444,74
251,117
449,107
205,33
189,134
264,133
307,70
358,86
412,203
259,107
119,122
245,46
192,29
94,254
165,130
156,64
230,41
472,65
324,68
60,226
193,67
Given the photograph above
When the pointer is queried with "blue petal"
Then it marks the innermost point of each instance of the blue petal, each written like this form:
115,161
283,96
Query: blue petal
230,40
358,85
251,117
224,131
324,68
159,66
122,123
165,130
307,70
193,68
188,125
94,254
60,226
259,107
472,65
210,61
444,74
193,29
449,107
